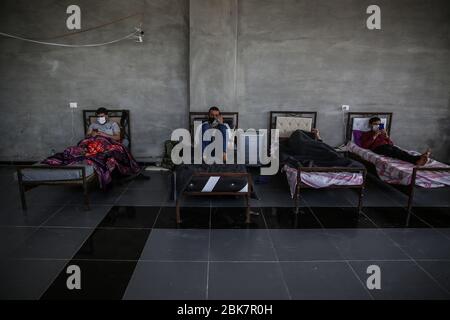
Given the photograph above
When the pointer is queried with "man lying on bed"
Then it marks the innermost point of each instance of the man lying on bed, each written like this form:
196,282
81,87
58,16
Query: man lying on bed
379,142
101,149
308,149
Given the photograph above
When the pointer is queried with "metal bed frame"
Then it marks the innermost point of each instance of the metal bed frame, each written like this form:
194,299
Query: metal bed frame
408,190
85,181
300,185
232,117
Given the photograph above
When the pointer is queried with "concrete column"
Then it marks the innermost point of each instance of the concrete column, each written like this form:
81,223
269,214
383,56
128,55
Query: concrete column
213,54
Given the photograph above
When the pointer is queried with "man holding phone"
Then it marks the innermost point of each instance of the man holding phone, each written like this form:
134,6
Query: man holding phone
103,127
379,142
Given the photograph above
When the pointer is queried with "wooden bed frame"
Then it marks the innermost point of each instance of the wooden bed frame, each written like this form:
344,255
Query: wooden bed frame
85,181
300,185
406,189
232,117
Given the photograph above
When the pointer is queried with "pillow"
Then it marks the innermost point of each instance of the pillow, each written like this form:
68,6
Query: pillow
287,125
361,125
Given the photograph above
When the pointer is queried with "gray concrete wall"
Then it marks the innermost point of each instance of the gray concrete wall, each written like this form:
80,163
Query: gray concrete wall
318,55
37,82
251,56
213,44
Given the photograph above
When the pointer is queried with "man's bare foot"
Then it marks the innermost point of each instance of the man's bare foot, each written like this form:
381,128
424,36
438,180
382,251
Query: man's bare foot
424,158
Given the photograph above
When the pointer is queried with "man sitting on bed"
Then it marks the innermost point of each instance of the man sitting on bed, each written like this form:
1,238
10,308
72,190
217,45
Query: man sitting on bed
215,121
306,148
379,142
103,127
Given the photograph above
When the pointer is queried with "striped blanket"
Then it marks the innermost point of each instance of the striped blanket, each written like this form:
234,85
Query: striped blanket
321,179
396,171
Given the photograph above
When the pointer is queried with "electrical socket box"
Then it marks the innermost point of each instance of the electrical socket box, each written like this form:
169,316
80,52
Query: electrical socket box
345,107
73,105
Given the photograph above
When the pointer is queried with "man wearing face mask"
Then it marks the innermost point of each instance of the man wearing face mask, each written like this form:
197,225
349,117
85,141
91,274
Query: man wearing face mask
379,142
103,127
215,121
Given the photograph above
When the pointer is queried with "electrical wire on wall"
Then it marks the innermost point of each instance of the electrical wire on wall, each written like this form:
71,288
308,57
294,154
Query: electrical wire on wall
137,34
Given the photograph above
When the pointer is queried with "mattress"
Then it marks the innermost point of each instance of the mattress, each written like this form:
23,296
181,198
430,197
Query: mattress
55,174
396,171
186,181
322,179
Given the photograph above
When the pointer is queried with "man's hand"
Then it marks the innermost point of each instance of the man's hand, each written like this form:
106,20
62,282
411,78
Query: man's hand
383,132
220,119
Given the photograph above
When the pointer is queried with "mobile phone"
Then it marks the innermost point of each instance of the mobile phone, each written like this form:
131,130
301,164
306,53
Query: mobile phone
381,127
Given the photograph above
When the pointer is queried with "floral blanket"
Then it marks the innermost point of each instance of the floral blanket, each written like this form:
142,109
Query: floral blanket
103,153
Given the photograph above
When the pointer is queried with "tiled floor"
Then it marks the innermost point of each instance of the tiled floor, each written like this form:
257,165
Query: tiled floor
130,247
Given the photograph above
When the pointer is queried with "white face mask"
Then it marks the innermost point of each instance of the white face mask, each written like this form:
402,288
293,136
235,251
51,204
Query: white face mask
101,120
375,127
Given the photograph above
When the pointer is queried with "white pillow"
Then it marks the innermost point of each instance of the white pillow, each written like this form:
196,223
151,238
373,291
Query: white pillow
287,125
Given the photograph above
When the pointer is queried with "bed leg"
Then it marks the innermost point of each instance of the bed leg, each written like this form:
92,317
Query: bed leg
360,199
22,190
297,192
409,207
247,198
87,206
297,201
411,196
174,186
177,211
247,212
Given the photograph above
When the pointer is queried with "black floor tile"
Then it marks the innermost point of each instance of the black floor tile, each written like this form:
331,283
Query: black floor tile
246,280
192,218
228,201
329,197
400,280
303,245
241,245
421,243
287,218
365,244
438,217
51,243
130,217
12,237
99,280
177,244
12,215
322,280
439,270
52,195
432,197
78,217
392,217
168,280
380,194
97,196
234,218
343,217
114,244
27,279
143,197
